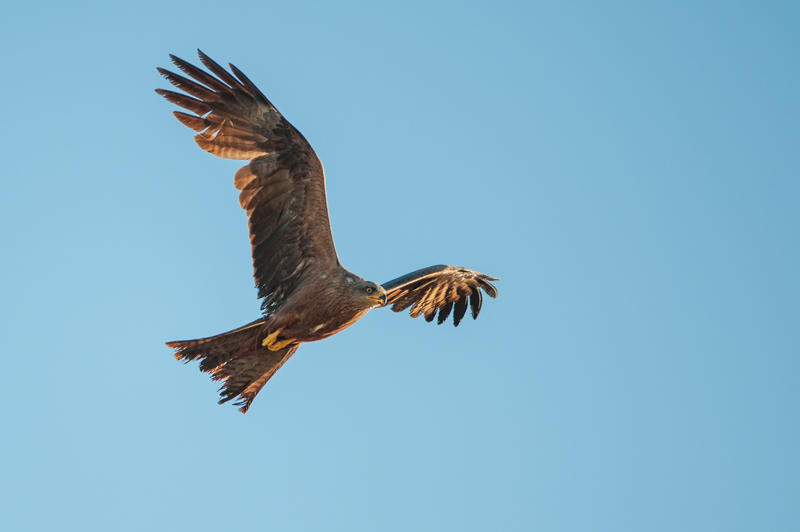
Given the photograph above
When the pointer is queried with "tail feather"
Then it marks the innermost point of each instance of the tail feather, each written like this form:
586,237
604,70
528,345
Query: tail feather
237,359
245,375
216,350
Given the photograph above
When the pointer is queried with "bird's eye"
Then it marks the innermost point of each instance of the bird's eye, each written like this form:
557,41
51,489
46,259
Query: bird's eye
369,289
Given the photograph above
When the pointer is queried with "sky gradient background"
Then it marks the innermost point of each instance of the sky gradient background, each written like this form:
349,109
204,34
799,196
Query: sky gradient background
631,172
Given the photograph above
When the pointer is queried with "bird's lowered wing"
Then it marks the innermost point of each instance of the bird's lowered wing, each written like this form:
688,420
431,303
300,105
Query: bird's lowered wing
283,185
440,288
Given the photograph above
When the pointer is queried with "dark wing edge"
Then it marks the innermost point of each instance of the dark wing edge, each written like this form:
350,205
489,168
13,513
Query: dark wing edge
440,288
283,185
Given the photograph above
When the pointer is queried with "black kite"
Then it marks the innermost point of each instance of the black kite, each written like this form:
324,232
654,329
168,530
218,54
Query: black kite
307,294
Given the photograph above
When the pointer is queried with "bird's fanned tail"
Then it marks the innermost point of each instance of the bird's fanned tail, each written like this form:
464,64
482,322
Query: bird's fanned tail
236,359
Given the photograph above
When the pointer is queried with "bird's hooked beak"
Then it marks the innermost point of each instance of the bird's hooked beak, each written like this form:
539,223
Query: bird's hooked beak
381,299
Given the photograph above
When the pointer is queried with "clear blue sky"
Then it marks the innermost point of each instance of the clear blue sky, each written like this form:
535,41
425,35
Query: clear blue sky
630,171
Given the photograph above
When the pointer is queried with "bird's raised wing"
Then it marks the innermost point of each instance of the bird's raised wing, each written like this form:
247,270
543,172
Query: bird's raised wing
440,288
283,186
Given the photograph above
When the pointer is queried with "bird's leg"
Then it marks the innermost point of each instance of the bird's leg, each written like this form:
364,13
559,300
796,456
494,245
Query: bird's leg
273,345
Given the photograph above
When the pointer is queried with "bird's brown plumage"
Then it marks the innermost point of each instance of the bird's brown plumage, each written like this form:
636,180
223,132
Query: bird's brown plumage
283,185
306,294
439,288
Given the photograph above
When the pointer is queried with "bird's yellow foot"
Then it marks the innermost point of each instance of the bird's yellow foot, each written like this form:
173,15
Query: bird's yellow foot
271,343
276,346
270,339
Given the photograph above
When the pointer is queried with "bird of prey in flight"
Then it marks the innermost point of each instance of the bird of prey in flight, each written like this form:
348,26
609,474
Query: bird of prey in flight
306,293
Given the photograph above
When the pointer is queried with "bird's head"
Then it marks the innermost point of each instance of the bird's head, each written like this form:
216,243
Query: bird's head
374,293
365,292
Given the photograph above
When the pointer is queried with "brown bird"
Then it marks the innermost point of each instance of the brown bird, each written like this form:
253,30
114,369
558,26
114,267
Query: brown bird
307,294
